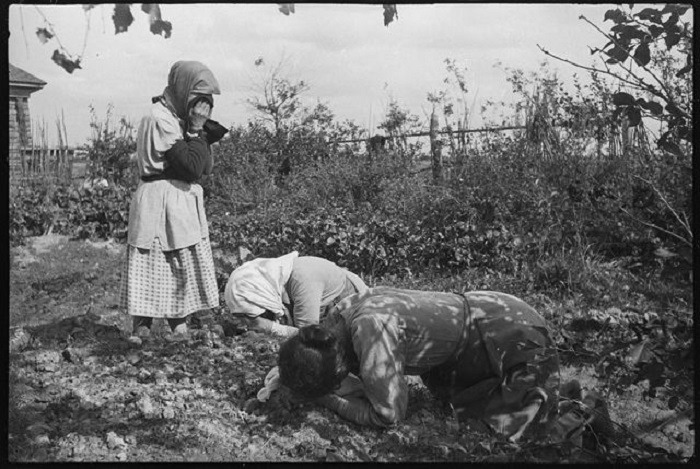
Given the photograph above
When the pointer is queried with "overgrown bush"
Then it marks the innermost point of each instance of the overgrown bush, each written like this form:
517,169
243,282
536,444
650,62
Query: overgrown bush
110,149
574,188
81,212
366,241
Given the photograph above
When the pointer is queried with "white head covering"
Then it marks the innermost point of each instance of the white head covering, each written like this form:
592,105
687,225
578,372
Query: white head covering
259,285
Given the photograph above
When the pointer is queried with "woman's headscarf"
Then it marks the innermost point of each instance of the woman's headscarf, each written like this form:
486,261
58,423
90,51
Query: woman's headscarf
159,130
189,79
259,285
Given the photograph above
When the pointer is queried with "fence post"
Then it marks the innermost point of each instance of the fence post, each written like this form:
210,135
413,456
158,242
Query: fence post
435,149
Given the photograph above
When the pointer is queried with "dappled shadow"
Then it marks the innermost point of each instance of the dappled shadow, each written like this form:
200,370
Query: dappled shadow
465,348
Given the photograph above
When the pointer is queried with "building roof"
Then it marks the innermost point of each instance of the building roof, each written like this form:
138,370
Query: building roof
21,78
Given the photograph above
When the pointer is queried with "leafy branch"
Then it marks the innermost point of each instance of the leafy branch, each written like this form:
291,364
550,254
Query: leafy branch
590,69
630,38
642,84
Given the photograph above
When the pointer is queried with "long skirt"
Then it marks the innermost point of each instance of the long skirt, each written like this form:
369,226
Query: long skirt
172,284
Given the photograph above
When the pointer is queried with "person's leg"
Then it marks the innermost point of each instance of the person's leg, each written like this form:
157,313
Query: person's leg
131,290
187,283
516,405
178,325
141,324
508,374
524,401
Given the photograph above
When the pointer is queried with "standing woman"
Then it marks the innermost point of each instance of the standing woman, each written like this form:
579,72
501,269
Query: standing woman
169,269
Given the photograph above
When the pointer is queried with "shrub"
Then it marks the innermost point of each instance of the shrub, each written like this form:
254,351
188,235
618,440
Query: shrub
81,212
110,150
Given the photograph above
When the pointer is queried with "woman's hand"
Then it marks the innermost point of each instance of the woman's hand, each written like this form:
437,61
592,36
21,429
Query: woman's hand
199,113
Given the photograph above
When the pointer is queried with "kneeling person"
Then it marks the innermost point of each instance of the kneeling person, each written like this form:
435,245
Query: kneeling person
488,354
301,288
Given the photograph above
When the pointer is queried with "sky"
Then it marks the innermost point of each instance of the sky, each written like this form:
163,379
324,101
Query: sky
346,55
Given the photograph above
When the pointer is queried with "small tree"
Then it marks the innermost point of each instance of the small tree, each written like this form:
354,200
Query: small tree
278,102
452,101
397,123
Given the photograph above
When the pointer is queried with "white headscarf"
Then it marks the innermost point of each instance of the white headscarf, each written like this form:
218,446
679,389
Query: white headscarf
259,285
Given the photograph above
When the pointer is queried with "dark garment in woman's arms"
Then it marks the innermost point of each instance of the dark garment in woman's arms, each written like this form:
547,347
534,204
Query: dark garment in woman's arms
188,160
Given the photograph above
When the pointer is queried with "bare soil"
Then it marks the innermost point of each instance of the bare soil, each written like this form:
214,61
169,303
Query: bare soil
79,391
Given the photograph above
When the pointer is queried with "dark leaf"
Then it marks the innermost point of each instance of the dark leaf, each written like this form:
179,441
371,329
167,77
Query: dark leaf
642,55
615,15
651,106
671,24
688,67
675,9
649,14
158,26
44,35
628,32
655,30
122,17
390,13
623,42
675,110
673,402
623,99
63,61
286,8
617,54
634,115
672,39
163,28
88,6
685,133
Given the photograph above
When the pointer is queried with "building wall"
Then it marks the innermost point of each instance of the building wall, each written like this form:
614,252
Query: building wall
20,133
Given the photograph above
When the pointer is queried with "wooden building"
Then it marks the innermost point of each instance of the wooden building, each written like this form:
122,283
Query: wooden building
22,85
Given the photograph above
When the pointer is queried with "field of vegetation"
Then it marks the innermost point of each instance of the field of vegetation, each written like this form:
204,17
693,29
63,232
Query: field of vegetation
585,212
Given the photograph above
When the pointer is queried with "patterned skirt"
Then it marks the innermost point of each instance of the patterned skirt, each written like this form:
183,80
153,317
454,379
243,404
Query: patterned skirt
172,284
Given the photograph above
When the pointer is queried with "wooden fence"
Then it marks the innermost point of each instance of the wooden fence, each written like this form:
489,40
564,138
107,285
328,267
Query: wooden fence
434,133
617,142
42,164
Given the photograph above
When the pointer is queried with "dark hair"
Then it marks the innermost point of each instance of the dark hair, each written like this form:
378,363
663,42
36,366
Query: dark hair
312,363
